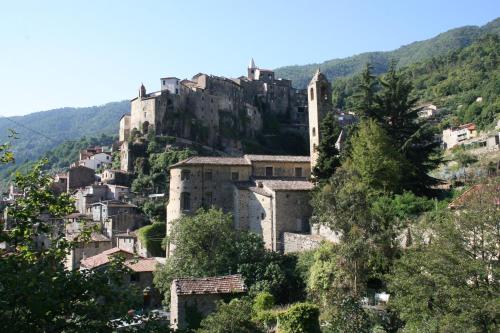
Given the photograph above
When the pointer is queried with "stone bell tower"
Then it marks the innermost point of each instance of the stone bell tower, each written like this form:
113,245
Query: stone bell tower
319,96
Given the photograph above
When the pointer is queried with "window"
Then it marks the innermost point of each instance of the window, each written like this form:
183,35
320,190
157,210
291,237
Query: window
298,172
186,201
185,174
263,215
163,82
135,277
235,176
269,171
312,94
314,131
208,199
145,114
324,95
208,175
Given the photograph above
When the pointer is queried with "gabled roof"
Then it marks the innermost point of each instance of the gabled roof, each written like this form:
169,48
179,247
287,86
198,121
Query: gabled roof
200,160
278,158
210,285
114,203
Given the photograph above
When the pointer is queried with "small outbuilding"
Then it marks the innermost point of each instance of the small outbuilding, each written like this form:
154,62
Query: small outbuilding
198,297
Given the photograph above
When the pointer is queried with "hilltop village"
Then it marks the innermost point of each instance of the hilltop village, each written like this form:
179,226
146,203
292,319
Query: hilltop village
198,130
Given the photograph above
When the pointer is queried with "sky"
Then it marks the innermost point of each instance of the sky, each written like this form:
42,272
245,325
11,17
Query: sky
83,53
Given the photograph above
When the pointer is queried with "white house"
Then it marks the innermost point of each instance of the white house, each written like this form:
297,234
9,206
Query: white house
96,161
455,136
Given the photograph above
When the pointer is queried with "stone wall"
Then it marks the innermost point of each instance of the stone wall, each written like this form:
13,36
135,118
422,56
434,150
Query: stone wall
292,212
281,169
180,304
295,242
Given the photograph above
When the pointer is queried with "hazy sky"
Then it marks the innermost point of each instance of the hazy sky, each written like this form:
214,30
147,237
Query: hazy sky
82,53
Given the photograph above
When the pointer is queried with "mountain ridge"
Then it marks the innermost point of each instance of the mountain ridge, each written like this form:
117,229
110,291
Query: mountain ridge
417,51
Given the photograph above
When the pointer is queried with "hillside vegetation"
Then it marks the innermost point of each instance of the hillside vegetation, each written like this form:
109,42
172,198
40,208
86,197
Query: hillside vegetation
415,52
42,131
453,81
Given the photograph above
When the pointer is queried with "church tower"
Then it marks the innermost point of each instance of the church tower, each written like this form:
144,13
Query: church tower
251,70
319,96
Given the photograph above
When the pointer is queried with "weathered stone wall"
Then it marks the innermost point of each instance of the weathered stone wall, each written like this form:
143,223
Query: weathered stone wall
124,132
209,185
203,304
80,177
281,169
292,212
85,250
295,242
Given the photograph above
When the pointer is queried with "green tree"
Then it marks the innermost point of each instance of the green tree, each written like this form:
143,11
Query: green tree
232,317
448,280
206,244
328,159
365,97
413,138
38,294
374,158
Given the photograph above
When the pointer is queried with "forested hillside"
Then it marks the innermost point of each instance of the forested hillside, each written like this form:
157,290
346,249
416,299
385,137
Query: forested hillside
415,52
453,81
39,132
59,158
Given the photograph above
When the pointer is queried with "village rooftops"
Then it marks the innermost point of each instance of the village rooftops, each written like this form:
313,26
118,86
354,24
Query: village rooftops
114,203
210,285
78,215
474,192
241,161
278,158
94,237
267,186
138,264
200,160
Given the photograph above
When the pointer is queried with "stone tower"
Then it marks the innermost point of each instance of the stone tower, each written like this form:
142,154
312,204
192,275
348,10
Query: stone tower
142,91
251,70
319,96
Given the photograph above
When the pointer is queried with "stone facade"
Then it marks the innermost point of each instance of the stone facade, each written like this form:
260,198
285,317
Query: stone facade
294,242
262,192
198,296
320,103
213,110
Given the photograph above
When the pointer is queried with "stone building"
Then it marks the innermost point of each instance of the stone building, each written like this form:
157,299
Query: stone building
75,177
266,194
199,295
320,103
213,110
85,248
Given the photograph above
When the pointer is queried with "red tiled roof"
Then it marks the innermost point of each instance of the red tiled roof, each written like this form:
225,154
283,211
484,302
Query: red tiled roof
210,285
142,265
471,193
103,258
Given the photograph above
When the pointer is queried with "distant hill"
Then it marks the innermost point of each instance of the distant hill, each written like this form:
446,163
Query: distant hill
408,54
42,131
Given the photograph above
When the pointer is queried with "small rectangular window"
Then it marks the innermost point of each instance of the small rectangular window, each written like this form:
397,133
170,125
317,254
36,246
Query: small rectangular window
186,201
208,175
269,171
235,176
298,172
208,199
185,174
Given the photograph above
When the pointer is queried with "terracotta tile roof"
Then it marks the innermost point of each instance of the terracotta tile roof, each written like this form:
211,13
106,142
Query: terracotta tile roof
210,285
277,158
78,215
142,264
200,160
287,185
103,258
252,186
114,203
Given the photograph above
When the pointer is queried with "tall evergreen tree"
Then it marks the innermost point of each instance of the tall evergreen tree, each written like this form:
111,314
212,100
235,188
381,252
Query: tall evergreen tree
328,159
395,109
365,98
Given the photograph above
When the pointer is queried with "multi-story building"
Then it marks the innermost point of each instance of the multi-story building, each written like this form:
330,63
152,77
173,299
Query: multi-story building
456,136
213,110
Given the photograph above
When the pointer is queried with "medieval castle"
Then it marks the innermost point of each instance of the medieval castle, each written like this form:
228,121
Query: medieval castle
266,194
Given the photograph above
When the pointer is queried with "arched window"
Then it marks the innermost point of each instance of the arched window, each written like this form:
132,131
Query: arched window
312,94
324,95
